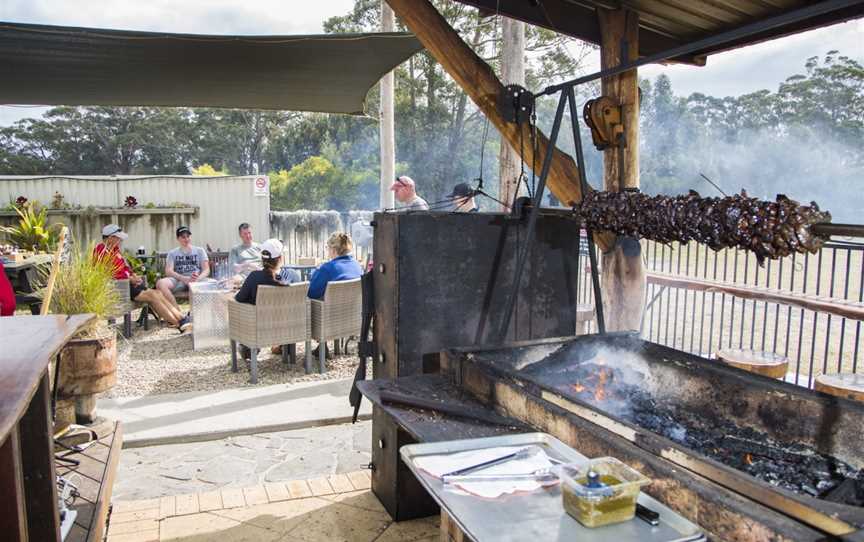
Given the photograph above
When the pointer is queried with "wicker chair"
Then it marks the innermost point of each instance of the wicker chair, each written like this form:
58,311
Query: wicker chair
123,308
280,317
336,316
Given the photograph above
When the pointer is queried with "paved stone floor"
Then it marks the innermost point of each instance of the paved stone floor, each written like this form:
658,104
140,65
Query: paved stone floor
242,461
327,509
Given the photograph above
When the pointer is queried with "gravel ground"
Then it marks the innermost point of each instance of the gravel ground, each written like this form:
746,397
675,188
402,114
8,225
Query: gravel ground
161,360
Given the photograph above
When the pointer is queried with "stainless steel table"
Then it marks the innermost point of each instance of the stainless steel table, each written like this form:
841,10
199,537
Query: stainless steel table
538,515
209,302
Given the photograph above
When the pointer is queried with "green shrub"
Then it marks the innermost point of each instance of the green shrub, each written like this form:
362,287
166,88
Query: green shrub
33,231
85,285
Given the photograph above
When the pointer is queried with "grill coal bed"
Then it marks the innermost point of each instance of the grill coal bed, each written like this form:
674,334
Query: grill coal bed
605,381
790,449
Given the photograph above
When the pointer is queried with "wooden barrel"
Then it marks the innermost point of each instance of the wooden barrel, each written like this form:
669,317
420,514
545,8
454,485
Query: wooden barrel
88,366
762,363
848,386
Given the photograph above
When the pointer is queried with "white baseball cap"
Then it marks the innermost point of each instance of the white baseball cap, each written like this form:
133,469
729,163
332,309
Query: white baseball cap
272,248
113,230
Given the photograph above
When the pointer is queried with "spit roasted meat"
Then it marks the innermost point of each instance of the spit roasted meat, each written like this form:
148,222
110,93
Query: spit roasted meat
771,229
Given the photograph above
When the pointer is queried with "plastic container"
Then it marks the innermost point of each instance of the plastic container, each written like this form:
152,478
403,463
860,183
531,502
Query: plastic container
607,497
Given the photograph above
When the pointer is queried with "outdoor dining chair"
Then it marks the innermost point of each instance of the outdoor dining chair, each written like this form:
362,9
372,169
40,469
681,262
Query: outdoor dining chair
280,317
336,316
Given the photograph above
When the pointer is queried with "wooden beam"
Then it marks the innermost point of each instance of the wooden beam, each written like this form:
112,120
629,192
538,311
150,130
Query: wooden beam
512,72
623,279
479,81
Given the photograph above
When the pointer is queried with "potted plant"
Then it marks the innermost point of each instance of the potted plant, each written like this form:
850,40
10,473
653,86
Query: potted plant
88,363
32,232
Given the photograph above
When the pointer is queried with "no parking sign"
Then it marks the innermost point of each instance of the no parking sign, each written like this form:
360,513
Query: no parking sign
261,186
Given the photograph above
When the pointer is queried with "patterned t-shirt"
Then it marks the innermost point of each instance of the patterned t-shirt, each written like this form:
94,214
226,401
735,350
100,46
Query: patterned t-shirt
186,263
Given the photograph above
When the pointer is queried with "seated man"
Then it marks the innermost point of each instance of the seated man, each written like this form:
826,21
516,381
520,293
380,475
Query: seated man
184,265
112,241
245,257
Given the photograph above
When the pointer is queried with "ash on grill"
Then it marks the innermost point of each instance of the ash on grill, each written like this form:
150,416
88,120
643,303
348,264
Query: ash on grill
770,229
623,393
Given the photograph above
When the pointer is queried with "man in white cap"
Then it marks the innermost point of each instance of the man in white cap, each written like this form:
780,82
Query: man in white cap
405,192
109,249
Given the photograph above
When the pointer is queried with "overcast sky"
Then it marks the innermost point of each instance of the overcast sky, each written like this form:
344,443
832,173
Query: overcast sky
728,74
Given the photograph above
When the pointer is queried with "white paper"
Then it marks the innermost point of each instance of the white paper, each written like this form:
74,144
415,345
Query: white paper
439,465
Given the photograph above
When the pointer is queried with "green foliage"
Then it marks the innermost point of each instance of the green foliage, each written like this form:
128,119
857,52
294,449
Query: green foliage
147,270
315,184
85,285
33,231
206,170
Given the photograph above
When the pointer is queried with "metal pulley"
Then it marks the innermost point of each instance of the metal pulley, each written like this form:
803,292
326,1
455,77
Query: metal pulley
515,104
603,116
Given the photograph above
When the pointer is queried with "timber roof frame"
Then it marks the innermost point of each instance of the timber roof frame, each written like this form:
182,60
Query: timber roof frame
666,24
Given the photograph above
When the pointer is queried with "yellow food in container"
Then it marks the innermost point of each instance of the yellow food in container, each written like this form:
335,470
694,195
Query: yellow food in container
601,492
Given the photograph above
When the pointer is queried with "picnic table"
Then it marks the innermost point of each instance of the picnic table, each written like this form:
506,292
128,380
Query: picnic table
24,276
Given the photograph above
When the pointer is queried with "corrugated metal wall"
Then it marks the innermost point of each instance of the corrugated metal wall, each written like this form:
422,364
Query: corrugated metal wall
222,204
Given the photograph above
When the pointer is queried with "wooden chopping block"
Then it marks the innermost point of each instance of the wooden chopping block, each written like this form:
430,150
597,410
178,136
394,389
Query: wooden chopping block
762,363
848,386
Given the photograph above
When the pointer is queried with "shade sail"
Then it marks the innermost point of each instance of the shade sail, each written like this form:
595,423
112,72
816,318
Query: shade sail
55,65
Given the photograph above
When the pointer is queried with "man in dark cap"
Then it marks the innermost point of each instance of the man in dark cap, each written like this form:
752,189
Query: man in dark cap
183,265
463,199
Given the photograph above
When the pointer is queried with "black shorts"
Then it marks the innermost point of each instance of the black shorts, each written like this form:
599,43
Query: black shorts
135,290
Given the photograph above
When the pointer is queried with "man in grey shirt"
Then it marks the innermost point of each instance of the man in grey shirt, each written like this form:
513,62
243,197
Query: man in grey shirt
245,257
405,192
183,265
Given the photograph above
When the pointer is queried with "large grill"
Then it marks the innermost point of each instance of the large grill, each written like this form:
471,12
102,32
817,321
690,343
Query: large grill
707,433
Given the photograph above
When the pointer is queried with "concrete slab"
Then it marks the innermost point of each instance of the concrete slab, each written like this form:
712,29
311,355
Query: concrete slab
201,416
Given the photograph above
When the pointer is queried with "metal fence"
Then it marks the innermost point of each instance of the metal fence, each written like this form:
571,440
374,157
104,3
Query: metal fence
704,322
305,233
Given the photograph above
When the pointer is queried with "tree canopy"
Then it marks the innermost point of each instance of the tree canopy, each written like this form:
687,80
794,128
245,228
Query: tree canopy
801,139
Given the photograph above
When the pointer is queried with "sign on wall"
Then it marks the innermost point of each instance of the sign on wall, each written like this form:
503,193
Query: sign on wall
261,186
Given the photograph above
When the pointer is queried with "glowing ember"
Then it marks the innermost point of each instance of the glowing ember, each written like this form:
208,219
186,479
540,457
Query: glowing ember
578,388
748,459
600,391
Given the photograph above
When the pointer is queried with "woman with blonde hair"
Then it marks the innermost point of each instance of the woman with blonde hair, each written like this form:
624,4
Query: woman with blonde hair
342,265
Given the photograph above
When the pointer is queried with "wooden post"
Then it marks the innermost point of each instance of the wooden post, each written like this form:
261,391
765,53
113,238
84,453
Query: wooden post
512,72
623,275
386,128
478,80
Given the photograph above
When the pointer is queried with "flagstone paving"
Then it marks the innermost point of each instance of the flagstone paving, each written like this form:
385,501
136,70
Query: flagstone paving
332,508
244,461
